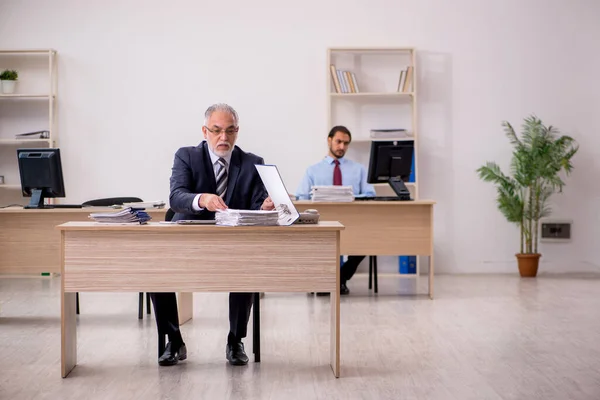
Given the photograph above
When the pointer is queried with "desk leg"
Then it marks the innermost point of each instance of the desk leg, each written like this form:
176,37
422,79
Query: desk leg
334,346
431,276
335,332
68,333
431,257
185,304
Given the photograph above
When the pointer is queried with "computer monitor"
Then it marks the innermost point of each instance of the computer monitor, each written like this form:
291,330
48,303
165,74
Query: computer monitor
390,159
41,175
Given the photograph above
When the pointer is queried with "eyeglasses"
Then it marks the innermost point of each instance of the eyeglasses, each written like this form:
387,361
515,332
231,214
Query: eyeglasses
218,132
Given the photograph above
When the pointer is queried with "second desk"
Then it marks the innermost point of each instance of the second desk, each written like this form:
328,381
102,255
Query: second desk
384,228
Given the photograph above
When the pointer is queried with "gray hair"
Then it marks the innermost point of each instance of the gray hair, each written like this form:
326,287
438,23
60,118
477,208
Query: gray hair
223,108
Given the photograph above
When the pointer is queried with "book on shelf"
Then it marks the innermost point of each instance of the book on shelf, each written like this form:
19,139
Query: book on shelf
343,81
406,79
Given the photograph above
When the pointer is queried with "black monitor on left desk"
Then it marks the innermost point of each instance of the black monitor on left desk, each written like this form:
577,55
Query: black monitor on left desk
390,159
41,175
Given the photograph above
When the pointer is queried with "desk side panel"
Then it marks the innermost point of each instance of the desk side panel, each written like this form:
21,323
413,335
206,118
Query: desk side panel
380,229
188,262
30,242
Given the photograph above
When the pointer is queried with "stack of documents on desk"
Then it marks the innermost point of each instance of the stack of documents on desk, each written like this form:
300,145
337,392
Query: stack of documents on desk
125,216
145,204
332,193
389,133
233,217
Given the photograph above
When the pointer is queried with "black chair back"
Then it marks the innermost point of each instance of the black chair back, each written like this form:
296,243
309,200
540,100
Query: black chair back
169,214
109,201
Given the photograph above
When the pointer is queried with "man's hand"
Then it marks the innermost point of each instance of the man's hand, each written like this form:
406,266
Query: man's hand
267,204
212,202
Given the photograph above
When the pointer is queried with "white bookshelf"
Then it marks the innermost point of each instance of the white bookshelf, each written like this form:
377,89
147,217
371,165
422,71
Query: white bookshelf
32,107
374,98
377,103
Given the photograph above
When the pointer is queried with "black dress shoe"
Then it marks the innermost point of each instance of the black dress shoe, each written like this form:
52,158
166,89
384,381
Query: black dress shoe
344,289
173,354
235,354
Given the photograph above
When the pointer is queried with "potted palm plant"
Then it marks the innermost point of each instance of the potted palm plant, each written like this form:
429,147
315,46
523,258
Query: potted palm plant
540,156
8,80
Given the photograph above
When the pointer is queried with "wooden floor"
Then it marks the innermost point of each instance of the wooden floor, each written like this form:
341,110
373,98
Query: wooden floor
482,337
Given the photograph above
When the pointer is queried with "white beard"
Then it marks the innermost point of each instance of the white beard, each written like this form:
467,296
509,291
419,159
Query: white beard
221,153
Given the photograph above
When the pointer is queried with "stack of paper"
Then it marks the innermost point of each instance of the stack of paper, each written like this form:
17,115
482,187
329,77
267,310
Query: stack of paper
145,204
332,193
389,133
232,217
125,216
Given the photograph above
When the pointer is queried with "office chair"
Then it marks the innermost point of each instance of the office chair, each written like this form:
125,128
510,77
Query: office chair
169,214
107,202
373,272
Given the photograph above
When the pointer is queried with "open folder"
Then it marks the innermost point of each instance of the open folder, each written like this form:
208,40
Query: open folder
288,214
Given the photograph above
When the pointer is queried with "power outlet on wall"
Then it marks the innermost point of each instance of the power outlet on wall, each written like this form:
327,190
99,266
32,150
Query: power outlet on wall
555,231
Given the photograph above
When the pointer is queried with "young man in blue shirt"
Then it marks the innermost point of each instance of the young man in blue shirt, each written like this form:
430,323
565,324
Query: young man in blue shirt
334,169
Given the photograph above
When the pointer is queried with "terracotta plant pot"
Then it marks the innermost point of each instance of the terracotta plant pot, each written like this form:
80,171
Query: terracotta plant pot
528,264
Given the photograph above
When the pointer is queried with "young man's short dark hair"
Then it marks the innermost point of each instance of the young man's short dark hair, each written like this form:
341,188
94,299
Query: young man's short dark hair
339,128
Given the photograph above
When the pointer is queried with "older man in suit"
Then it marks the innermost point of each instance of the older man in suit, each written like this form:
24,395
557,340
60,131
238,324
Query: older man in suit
212,176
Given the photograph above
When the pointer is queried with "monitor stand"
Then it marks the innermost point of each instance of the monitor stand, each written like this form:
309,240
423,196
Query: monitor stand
37,199
37,202
399,188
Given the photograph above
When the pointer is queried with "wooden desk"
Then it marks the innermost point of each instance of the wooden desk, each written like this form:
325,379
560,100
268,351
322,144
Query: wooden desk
29,242
389,228
179,258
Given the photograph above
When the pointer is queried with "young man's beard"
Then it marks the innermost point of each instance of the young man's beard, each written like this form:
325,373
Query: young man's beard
338,153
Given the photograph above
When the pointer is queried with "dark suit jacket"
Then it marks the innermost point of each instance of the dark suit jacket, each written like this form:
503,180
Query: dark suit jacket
193,173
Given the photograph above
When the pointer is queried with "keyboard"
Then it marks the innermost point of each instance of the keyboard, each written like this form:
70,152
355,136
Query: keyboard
381,198
63,206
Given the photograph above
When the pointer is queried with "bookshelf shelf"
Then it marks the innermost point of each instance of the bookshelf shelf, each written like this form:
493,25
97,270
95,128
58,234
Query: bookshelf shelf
23,141
371,94
26,96
372,50
28,51
392,139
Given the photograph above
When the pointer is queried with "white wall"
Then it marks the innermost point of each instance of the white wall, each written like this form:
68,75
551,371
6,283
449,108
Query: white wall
135,80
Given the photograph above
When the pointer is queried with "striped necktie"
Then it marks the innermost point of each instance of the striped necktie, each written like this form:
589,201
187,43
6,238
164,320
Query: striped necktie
222,178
